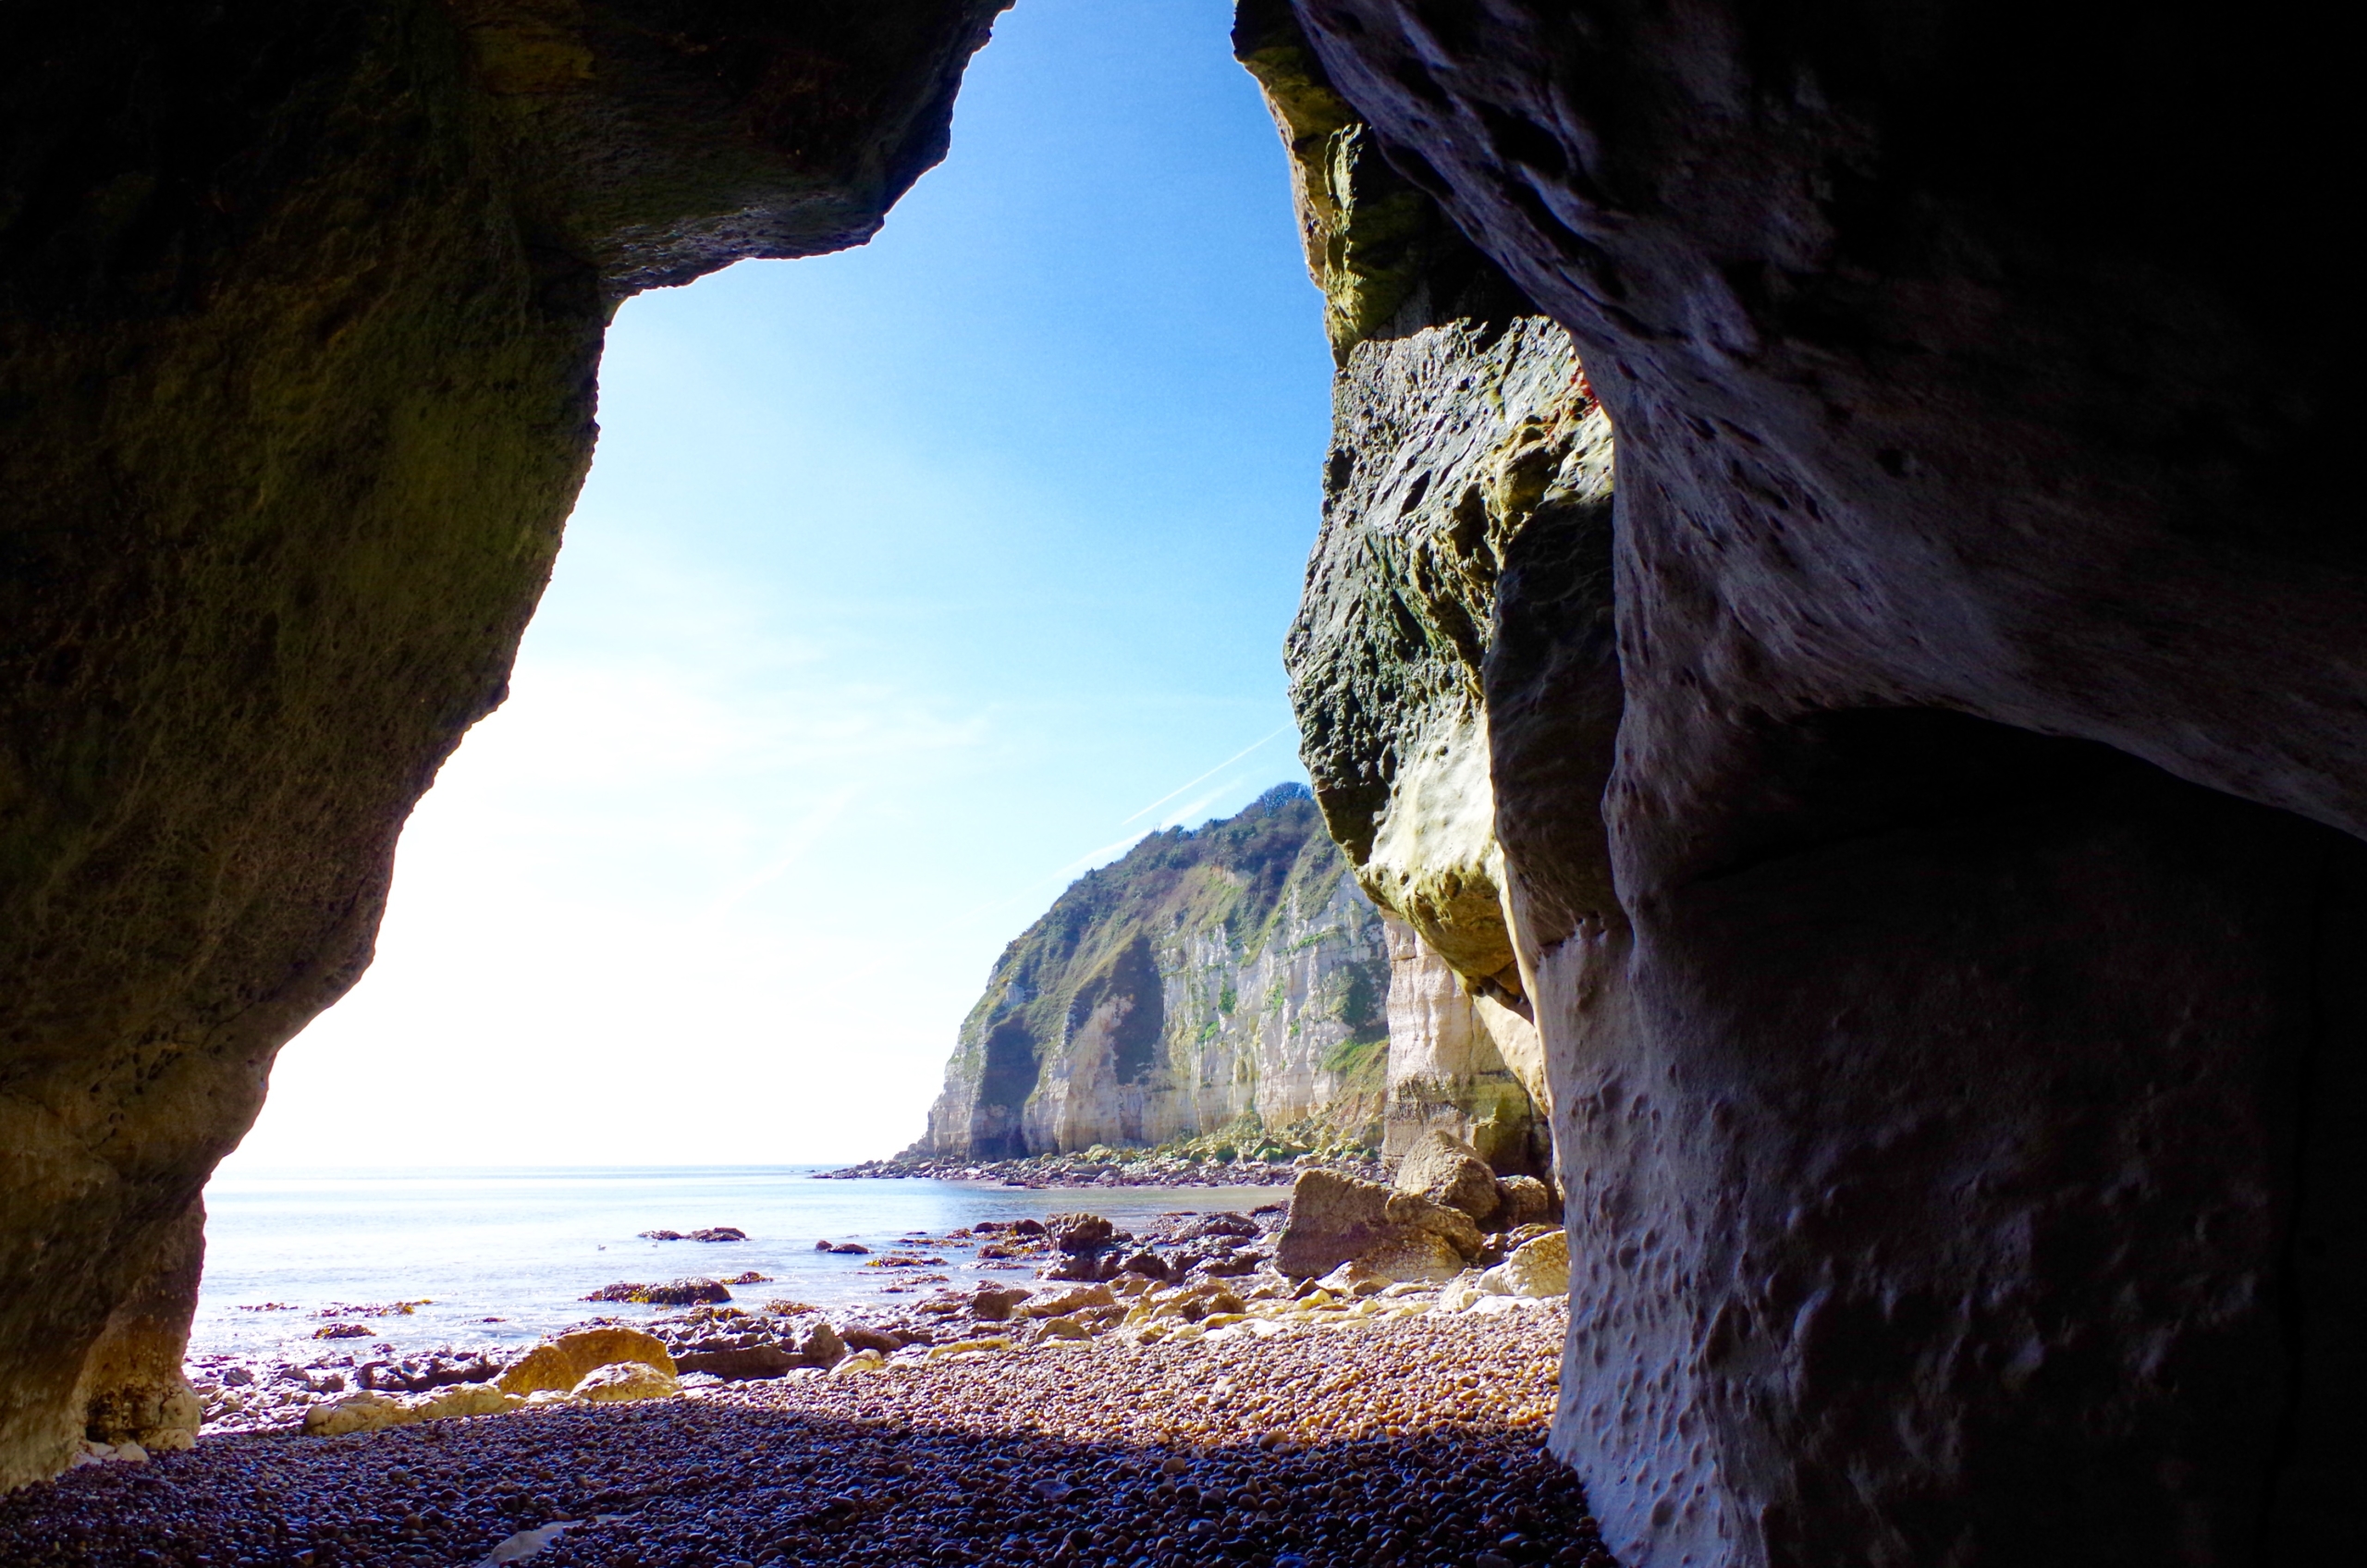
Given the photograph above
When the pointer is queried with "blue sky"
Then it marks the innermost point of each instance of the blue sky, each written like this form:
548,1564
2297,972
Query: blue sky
908,582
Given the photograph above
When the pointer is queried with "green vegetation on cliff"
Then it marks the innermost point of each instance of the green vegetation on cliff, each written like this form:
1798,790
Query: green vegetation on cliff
1208,975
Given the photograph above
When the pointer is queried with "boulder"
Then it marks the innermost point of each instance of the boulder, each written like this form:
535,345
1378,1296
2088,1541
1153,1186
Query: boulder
1452,1225
623,1380
817,1342
1218,1225
1331,1219
1442,1168
1523,1200
1539,1267
560,1363
1079,1233
720,1233
1059,1304
362,1411
455,1399
1413,1254
1063,1329
1146,1263
995,1303
741,1362
859,1337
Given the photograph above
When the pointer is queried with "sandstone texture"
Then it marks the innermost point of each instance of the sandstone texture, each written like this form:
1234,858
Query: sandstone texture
300,311
1228,977
1924,802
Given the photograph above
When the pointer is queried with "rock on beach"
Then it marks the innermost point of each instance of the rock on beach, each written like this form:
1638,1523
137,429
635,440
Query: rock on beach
1401,1439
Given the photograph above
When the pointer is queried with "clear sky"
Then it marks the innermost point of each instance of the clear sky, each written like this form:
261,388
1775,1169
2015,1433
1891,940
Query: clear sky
908,583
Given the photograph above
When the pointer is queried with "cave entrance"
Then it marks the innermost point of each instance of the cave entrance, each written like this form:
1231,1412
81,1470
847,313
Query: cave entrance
902,574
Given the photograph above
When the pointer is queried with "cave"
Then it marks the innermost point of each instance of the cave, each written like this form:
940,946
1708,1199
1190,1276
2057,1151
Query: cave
1923,797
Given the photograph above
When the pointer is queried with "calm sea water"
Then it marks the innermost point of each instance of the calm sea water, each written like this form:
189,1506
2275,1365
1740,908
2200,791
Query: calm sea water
525,1245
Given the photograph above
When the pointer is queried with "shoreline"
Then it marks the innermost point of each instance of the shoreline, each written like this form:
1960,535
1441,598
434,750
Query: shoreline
1413,1439
1148,1168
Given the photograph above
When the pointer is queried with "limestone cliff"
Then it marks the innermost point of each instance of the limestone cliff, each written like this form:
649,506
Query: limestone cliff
1208,975
1467,451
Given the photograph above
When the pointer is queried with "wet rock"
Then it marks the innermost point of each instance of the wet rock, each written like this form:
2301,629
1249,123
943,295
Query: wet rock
680,1292
720,1233
1146,1263
661,1235
851,1248
1077,1233
1220,1224
1447,1171
862,1337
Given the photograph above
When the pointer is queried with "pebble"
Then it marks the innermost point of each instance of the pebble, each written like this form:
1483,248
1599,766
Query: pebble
1411,1441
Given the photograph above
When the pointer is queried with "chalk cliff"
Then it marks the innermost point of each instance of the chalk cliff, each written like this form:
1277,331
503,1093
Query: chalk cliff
1212,974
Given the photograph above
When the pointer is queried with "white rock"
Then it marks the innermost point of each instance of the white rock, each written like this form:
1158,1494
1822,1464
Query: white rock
362,1411
622,1381
1539,1267
1460,1293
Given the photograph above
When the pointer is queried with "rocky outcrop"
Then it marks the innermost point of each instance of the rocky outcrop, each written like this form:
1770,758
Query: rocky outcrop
1466,444
1209,977
1950,996
300,311
1461,1063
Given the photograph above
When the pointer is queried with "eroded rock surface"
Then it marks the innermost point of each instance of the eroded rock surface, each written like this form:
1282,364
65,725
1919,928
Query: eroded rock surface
1955,1098
299,312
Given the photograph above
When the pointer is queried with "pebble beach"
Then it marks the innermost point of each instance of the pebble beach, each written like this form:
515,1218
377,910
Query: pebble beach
1394,1437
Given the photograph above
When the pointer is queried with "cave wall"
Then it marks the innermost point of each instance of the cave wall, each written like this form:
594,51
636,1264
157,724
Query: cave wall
1949,979
300,308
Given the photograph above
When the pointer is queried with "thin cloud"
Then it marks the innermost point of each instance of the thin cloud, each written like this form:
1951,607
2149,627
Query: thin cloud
1204,777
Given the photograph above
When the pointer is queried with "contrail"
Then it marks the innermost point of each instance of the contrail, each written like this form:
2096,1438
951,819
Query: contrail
1210,774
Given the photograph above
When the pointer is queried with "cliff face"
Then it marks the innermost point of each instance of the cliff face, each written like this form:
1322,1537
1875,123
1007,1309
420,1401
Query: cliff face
1466,453
301,306
1208,975
1940,902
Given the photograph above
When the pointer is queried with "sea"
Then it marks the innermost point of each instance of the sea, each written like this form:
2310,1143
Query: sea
504,1255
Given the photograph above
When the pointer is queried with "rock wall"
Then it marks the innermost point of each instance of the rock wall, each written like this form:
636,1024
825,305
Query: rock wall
1461,1064
1466,445
301,306
1928,810
1206,976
